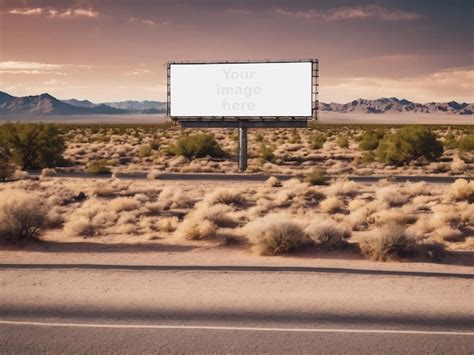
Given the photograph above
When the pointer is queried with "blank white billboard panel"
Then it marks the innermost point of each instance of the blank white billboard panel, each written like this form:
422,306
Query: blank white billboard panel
241,89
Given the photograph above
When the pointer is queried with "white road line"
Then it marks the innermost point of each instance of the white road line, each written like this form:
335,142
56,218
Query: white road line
210,327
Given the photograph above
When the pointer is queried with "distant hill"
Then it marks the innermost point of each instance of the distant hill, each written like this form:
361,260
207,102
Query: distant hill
139,105
45,104
80,103
394,105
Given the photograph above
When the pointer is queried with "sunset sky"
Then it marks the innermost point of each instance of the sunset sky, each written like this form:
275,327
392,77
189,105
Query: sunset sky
115,50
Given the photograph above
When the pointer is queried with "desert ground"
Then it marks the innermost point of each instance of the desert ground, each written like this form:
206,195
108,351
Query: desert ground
308,212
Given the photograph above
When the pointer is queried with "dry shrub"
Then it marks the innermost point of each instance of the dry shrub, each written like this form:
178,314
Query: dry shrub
193,228
358,219
331,205
462,190
141,198
128,228
343,188
104,219
415,189
124,204
79,226
153,175
22,215
126,218
171,198
458,165
392,195
396,216
167,224
356,204
225,196
443,215
328,234
275,234
388,242
449,234
55,217
272,181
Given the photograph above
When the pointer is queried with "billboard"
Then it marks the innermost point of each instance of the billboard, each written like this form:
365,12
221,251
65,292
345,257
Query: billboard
242,89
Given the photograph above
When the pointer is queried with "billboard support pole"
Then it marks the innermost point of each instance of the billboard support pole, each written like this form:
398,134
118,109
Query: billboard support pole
242,148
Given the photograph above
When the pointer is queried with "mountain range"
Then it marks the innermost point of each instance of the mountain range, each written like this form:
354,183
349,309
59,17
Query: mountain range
45,104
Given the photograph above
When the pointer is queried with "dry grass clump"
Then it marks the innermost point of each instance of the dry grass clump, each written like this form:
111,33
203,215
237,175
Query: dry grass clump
171,198
192,228
275,234
449,234
331,205
343,188
124,204
392,195
387,242
204,220
462,190
225,196
167,224
22,215
328,234
396,216
153,175
458,165
272,181
79,226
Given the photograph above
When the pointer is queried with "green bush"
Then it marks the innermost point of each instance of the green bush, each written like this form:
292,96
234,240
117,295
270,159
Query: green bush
450,141
97,167
33,146
144,151
370,139
258,138
197,146
343,142
408,144
266,153
466,144
368,157
317,141
317,177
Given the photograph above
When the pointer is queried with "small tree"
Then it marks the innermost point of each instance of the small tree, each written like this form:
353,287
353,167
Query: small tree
6,168
408,144
34,146
370,139
197,146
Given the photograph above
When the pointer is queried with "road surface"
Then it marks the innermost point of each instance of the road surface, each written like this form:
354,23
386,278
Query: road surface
100,309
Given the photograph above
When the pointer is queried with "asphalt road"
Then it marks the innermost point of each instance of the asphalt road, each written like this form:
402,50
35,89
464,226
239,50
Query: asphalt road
110,310
253,177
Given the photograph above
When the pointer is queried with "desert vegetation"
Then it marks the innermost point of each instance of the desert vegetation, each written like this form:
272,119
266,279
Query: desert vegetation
318,209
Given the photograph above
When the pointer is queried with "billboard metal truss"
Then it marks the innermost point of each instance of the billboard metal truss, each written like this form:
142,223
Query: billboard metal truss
253,121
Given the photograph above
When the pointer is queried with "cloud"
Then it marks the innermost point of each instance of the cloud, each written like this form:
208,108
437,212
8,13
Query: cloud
349,13
146,22
138,71
452,84
56,13
12,65
20,67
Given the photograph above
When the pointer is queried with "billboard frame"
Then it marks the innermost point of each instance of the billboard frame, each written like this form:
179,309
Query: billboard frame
248,121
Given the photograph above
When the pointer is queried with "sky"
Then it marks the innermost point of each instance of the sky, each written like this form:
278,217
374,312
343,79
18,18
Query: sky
113,50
